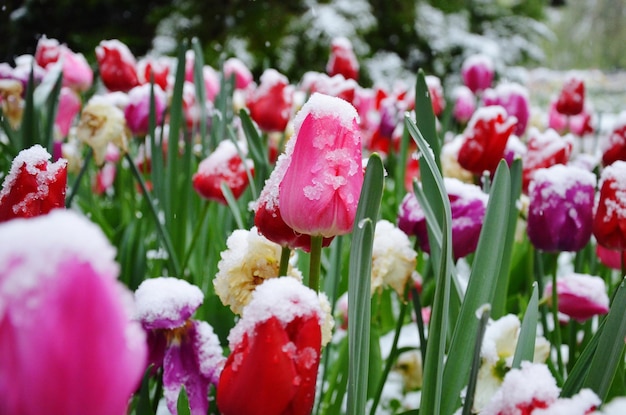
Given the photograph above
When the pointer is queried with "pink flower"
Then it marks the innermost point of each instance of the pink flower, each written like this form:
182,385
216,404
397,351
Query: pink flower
68,344
342,59
77,73
514,99
105,177
544,150
137,112
270,104
580,296
324,170
477,72
235,67
118,67
611,258
464,104
34,186
69,106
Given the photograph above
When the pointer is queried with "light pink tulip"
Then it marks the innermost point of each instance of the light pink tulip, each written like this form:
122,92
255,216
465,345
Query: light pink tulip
69,105
580,296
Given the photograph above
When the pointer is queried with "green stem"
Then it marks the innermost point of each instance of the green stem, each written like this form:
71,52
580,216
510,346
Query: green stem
285,254
171,254
556,334
81,173
196,233
315,265
417,305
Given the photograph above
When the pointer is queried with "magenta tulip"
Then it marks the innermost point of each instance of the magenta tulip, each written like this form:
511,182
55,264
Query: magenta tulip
478,72
137,112
580,296
320,189
68,344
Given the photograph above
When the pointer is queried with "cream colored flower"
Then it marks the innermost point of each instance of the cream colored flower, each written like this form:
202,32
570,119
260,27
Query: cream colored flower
101,123
329,322
249,259
11,101
409,364
393,258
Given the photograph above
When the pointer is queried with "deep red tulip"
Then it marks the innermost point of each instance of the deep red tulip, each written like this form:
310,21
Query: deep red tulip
571,99
275,353
615,147
223,165
118,67
157,69
34,186
544,150
609,222
485,139
270,104
438,101
342,59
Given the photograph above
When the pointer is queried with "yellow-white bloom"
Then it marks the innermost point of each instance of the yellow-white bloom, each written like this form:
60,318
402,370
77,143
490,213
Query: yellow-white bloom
249,259
101,123
393,258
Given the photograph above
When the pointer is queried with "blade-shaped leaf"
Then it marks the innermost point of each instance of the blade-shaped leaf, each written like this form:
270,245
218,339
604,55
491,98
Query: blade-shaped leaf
525,349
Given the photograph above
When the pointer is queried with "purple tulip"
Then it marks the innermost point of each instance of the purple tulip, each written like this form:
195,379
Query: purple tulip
188,350
561,208
137,112
514,98
580,296
68,344
468,204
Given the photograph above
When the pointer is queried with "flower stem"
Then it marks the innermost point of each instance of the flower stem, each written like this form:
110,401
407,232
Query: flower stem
81,173
315,262
196,233
285,254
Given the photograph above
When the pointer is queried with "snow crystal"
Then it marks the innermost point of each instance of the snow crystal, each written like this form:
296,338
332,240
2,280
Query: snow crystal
209,350
34,248
283,298
166,299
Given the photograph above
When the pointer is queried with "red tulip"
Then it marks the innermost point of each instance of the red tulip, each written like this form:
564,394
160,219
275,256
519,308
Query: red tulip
223,165
544,150
118,68
34,186
342,59
609,222
270,104
615,148
485,139
320,190
154,68
435,90
235,67
571,99
275,353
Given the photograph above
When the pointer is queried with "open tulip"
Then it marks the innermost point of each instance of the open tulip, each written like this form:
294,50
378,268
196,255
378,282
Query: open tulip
561,208
485,139
571,99
580,296
68,344
270,104
609,222
275,352
342,59
118,67
188,350
34,185
222,165
324,170
542,151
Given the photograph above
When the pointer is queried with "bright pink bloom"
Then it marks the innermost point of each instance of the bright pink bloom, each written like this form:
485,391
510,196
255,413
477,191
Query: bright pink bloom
438,101
105,177
580,296
615,147
69,106
222,165
514,98
235,67
324,168
77,73
468,204
464,104
485,139
68,344
571,99
561,208
275,352
34,186
157,69
270,104
118,67
335,86
544,150
610,258
137,111
579,124
478,72
609,222
188,350
342,59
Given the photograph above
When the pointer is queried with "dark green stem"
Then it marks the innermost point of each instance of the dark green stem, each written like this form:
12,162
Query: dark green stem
285,254
556,334
81,173
315,264
196,233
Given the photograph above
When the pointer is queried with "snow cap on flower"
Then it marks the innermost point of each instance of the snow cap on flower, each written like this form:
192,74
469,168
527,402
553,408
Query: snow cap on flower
544,149
248,261
513,97
33,186
324,170
583,403
101,123
609,222
118,66
580,296
617,406
342,59
166,302
478,72
615,146
55,316
393,258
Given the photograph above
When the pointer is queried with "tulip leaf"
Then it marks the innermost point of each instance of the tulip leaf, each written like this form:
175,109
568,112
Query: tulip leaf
29,126
606,359
143,405
182,406
425,119
486,269
51,101
525,349
232,204
257,149
359,283
198,80
484,311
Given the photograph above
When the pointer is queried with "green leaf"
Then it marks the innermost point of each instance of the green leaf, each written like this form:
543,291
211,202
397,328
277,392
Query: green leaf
143,406
232,204
485,311
606,359
198,79
47,96
525,350
425,117
486,270
29,127
182,406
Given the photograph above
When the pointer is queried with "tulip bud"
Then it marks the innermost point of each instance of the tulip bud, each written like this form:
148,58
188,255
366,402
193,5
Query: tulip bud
514,99
542,151
342,59
609,222
580,296
477,72
571,99
235,67
270,104
137,112
615,147
118,67
464,104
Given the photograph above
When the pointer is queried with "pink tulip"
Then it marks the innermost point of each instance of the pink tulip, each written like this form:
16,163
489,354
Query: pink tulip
137,112
69,106
68,344
464,104
236,67
580,296
478,72
514,99
77,73
320,190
